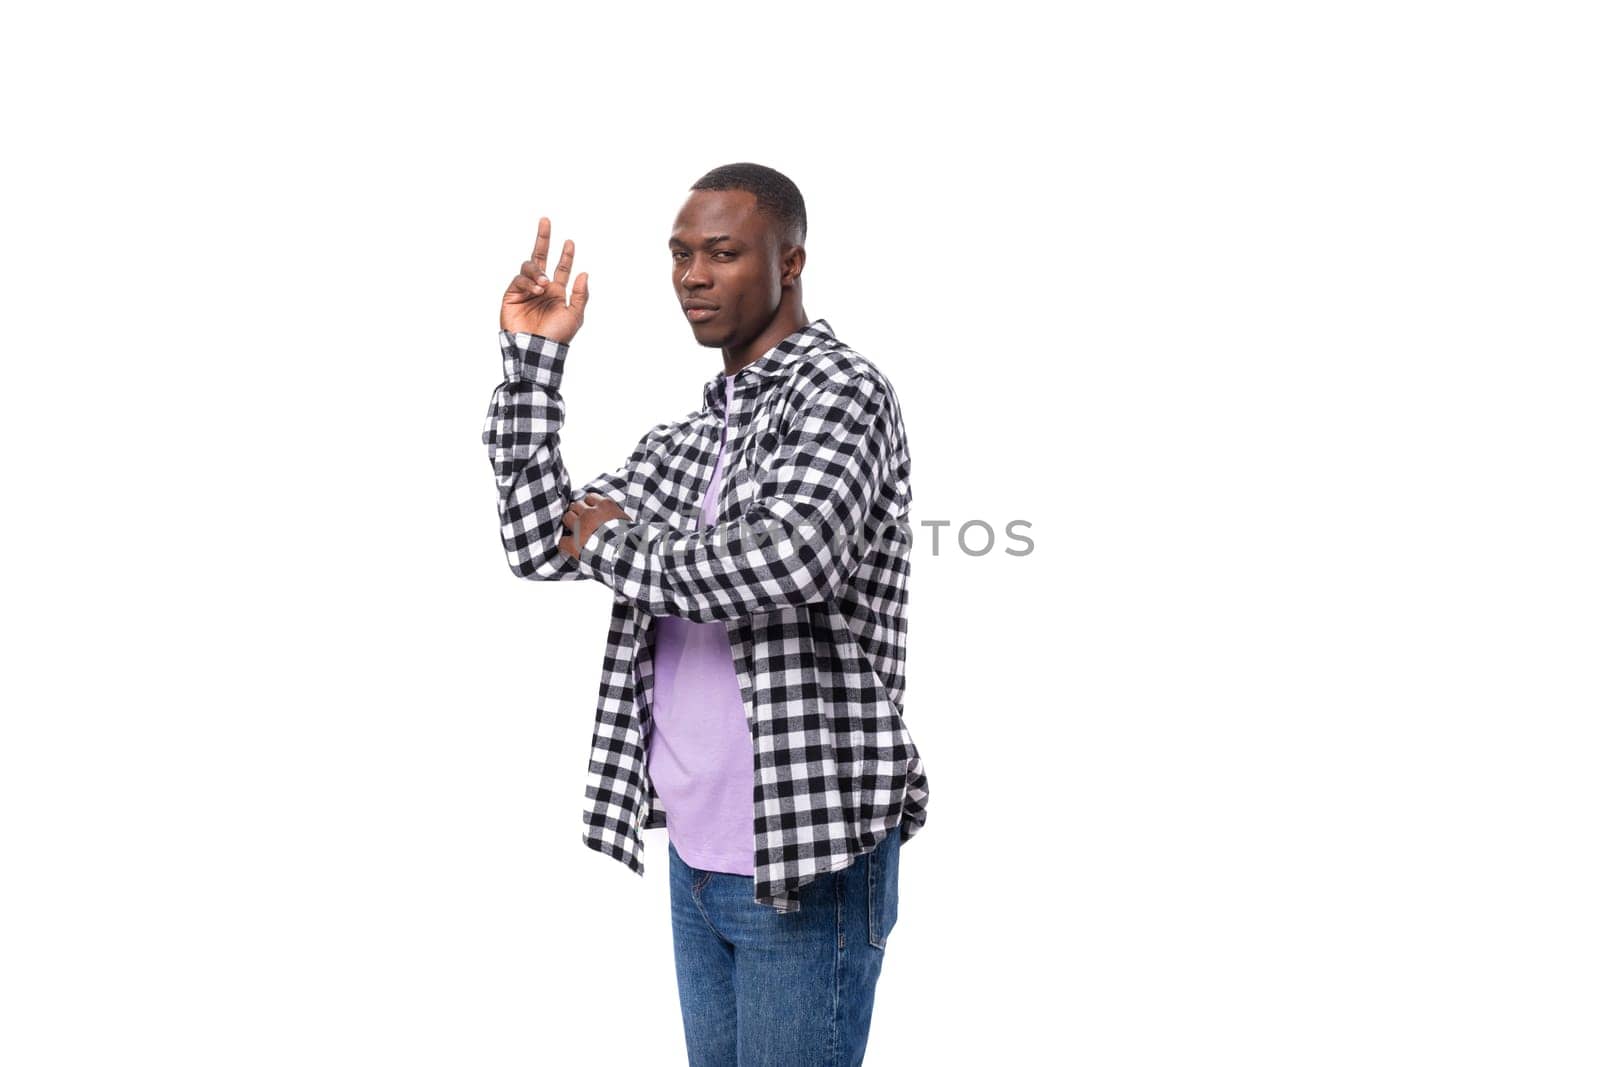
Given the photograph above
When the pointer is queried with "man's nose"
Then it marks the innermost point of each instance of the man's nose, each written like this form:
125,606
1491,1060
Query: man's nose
694,276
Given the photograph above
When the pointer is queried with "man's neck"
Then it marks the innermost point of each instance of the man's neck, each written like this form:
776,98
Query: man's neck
785,322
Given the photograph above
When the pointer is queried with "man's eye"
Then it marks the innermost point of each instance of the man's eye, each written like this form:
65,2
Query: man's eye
728,254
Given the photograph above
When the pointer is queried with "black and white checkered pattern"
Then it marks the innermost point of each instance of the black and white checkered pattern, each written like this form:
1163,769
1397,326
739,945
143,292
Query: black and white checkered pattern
808,565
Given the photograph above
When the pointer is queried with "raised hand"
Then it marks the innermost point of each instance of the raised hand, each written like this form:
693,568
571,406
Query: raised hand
537,303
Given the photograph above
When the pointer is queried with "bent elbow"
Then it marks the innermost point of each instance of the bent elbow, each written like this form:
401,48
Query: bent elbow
549,566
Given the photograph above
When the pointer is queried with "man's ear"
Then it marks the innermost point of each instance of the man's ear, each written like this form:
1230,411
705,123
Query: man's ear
794,261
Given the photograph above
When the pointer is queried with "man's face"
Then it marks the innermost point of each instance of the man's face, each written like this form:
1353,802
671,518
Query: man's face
726,260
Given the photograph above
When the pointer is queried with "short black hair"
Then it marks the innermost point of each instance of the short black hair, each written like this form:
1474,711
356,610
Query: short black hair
777,197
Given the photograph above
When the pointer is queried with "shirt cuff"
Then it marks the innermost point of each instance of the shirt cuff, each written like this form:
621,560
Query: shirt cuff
533,357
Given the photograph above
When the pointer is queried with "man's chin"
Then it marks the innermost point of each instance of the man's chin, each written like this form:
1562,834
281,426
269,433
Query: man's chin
709,335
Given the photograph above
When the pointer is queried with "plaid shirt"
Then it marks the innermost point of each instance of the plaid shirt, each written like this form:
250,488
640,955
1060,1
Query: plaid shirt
807,565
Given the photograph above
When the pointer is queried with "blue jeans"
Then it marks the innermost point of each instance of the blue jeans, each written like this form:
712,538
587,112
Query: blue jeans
760,988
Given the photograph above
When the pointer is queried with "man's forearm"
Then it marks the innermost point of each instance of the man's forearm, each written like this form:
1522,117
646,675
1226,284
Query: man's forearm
522,434
797,544
721,573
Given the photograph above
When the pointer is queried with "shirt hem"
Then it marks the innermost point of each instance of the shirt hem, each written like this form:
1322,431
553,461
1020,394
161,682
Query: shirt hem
704,862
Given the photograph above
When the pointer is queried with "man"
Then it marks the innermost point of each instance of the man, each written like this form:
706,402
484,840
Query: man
750,697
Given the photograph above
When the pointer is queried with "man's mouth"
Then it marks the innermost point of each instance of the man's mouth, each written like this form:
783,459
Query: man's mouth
699,314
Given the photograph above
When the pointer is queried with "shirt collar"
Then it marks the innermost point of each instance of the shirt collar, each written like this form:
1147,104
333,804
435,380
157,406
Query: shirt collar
773,362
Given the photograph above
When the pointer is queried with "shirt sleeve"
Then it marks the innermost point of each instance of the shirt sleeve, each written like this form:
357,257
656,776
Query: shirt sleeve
522,434
798,541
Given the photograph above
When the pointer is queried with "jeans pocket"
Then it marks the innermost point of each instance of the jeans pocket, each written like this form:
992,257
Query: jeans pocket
883,888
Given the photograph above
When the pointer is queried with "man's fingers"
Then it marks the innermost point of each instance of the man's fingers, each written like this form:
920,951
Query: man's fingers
580,293
574,523
565,263
535,275
527,289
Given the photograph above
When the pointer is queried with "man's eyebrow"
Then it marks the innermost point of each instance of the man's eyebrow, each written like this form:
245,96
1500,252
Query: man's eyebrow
707,243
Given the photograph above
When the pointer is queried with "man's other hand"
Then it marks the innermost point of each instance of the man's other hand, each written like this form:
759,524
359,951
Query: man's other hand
584,517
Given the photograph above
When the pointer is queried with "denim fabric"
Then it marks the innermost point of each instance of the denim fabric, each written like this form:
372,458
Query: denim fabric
764,988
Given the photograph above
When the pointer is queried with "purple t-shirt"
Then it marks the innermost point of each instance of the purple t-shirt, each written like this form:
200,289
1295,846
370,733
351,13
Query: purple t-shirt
700,758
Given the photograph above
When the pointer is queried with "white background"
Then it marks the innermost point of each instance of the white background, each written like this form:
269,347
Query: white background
1276,321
